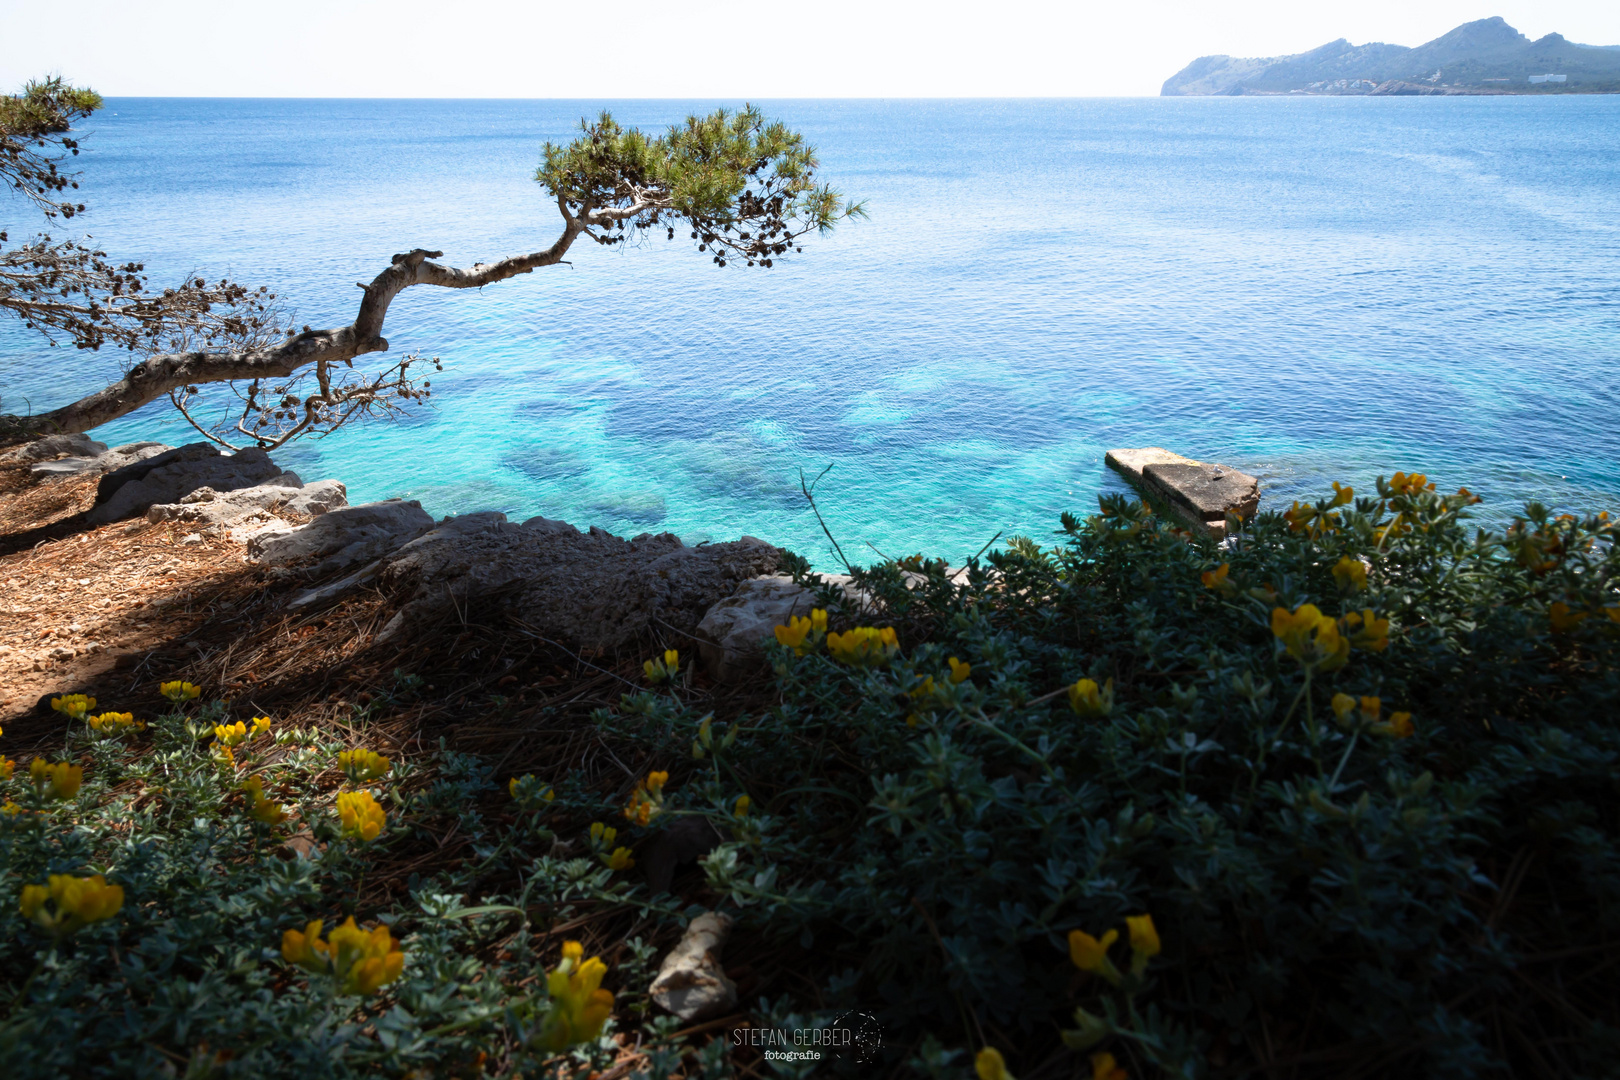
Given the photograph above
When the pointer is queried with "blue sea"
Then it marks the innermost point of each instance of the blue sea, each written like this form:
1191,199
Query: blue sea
1309,289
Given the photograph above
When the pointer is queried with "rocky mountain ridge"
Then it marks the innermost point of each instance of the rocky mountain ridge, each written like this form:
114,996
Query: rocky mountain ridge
1483,57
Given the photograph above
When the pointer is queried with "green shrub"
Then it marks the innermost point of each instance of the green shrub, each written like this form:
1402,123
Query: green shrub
1358,766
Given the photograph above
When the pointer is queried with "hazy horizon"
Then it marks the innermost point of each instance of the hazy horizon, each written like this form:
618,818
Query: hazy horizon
503,49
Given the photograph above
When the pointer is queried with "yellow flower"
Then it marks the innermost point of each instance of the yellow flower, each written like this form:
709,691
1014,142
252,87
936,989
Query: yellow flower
960,671
1409,483
864,646
1089,954
113,722
10,809
231,734
579,1006
1351,574
261,724
530,792
73,902
1342,495
1399,726
672,660
818,620
741,809
1216,578
227,757
58,781
6,766
179,691
602,836
1310,637
74,706
362,817
1367,631
1370,708
361,961
260,808
658,671
647,801
990,1065
619,860
1563,619
1087,699
361,766
1144,941
1104,1067
1343,706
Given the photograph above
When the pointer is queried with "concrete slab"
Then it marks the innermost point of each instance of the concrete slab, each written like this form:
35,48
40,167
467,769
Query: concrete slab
1209,492
1199,494
1132,462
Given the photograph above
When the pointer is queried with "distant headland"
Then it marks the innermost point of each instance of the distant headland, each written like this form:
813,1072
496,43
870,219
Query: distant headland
1483,57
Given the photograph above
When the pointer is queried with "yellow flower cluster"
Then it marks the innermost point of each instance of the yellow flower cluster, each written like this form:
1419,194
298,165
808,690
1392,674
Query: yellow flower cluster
1090,954
864,646
73,706
114,723
1409,484
990,1065
229,735
1364,713
1311,637
579,1005
1351,574
179,691
1086,698
529,793
358,960
1216,579
362,818
362,766
603,839
658,671
68,902
56,781
647,802
802,634
260,808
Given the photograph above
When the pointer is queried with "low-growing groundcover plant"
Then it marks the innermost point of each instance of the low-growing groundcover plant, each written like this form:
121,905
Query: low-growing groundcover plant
1335,798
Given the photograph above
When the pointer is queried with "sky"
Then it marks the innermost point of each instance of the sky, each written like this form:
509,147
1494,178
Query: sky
704,48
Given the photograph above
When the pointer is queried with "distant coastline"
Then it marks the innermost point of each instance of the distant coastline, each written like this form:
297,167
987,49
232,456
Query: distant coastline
1487,57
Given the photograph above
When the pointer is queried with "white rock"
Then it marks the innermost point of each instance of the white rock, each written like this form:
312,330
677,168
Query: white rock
344,536
55,446
732,635
191,538
691,983
286,491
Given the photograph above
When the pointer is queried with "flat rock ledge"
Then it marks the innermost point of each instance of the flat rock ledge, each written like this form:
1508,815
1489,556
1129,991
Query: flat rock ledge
1199,494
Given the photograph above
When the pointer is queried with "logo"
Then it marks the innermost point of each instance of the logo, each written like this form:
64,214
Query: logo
854,1036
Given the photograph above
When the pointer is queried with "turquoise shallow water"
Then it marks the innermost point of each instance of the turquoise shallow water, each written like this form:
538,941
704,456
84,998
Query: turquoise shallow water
1309,289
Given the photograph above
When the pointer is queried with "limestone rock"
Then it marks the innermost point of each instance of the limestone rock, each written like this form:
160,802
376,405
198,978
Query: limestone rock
732,634
691,983
174,474
54,446
592,588
129,453
68,466
286,491
343,536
